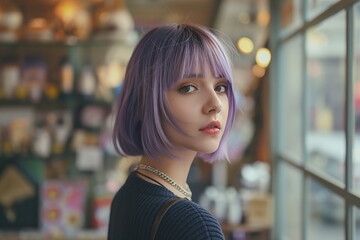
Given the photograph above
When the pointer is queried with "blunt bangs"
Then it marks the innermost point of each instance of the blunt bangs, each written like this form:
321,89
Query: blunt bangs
162,57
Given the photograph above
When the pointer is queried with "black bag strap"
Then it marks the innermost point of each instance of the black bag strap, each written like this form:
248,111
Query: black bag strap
161,214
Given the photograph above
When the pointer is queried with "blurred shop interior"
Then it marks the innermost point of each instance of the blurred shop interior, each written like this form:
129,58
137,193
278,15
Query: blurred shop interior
61,68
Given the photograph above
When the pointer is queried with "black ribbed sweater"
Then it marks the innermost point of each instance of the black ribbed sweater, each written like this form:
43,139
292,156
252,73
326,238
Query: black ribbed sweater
137,203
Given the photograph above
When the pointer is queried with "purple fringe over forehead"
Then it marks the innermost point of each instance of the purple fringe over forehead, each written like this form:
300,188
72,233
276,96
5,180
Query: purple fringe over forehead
162,57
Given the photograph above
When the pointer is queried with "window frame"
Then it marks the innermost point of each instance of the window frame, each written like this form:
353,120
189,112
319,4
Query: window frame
279,160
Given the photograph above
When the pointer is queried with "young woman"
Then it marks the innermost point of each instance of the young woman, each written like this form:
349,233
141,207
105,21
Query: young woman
177,103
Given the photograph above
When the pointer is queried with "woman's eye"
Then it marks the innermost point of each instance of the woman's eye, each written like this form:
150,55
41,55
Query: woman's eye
187,89
221,88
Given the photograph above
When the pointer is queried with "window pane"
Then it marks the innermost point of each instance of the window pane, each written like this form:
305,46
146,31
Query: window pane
356,146
290,15
292,202
315,7
291,94
357,223
326,213
325,137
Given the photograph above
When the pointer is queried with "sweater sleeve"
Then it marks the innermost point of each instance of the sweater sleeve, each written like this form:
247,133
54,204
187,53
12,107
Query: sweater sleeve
186,220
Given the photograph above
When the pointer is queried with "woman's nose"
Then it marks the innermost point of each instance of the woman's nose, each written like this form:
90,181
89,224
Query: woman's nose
213,103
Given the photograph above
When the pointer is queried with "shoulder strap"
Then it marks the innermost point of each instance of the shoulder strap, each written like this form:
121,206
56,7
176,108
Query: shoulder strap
161,214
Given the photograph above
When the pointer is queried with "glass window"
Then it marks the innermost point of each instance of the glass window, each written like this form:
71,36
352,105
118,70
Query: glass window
310,86
325,137
292,202
356,88
315,7
290,85
290,15
326,212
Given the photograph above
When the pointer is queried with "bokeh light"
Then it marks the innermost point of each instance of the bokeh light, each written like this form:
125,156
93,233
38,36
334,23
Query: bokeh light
263,57
245,45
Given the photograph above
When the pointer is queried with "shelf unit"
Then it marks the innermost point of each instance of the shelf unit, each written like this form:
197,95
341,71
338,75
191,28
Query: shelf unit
94,53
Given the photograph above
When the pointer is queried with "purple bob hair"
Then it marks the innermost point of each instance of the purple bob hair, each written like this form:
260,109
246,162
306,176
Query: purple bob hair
163,56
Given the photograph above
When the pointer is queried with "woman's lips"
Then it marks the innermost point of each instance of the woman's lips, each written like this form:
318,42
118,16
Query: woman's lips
212,128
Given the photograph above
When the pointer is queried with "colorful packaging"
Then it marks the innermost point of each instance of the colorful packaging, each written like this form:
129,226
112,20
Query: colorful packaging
63,208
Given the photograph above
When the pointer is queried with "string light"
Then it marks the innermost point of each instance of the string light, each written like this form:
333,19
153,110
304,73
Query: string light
245,45
258,71
263,57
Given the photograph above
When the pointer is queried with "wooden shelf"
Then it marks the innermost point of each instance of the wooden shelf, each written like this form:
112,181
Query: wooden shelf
251,231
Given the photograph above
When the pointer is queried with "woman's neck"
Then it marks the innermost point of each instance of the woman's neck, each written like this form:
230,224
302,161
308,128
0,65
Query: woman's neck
177,169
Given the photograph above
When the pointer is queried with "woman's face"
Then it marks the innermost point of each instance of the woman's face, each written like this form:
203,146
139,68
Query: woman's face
199,104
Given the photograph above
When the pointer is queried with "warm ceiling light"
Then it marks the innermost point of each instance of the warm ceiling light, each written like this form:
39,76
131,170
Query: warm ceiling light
263,57
67,10
263,18
245,45
258,71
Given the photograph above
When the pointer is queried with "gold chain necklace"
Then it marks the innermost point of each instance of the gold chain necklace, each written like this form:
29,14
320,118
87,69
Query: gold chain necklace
187,193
